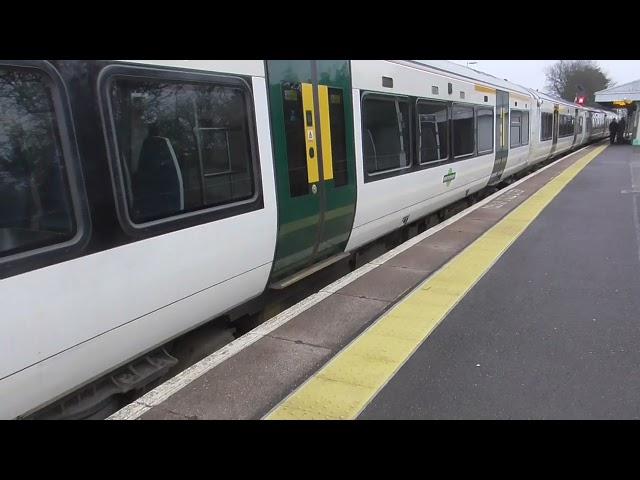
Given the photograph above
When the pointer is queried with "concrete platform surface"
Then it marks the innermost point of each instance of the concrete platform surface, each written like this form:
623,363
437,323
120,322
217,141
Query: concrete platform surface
552,331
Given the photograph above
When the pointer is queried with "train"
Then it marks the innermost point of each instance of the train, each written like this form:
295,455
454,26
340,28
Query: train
141,199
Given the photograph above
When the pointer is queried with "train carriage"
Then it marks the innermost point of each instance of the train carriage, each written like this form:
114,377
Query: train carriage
140,199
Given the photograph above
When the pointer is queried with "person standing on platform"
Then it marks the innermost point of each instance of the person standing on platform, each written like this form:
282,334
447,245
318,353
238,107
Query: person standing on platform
613,130
621,127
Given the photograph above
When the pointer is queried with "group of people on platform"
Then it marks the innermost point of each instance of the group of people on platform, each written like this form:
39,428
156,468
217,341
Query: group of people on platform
616,129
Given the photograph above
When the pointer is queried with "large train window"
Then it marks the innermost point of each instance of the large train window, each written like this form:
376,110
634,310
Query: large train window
463,130
433,131
567,126
386,133
183,145
546,126
35,199
485,130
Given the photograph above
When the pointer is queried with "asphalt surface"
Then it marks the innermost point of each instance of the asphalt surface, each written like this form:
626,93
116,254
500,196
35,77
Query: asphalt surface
552,331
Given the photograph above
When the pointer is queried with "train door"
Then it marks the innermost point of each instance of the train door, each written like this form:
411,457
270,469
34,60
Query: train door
581,128
312,131
554,129
502,135
575,128
556,125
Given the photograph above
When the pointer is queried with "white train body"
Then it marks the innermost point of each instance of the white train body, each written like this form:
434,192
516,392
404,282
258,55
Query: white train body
72,319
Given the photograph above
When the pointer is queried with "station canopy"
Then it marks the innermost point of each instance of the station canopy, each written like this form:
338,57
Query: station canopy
620,96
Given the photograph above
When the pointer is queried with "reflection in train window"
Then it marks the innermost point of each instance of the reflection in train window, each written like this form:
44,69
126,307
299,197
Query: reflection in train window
35,203
295,135
182,146
567,125
463,131
338,137
433,131
519,128
386,140
485,130
525,128
516,126
546,126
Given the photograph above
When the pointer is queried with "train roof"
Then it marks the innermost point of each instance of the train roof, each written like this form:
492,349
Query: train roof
472,74
556,99
502,83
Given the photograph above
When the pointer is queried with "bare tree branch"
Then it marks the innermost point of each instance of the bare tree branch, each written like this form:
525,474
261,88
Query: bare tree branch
566,76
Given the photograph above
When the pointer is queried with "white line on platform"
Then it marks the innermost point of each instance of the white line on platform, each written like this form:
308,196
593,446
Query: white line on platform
159,394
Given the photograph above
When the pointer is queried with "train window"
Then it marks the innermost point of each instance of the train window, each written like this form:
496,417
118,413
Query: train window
525,128
338,137
295,135
183,146
433,131
579,125
485,130
566,126
546,126
463,130
35,201
516,128
385,133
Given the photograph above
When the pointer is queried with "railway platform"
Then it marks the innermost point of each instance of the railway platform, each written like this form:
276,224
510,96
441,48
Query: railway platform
523,306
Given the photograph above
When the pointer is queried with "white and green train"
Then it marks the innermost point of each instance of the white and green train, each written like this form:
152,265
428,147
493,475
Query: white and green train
140,199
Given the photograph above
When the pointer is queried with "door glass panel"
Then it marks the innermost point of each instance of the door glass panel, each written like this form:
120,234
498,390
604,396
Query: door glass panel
295,138
338,137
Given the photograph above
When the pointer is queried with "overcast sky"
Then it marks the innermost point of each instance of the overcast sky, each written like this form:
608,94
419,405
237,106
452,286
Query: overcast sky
530,73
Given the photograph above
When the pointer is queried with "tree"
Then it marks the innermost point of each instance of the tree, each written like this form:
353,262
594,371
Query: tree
565,77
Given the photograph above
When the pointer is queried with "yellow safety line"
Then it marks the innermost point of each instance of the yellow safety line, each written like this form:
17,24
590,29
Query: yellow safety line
346,385
325,131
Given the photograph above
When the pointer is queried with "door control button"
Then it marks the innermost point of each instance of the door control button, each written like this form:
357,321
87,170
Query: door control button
312,152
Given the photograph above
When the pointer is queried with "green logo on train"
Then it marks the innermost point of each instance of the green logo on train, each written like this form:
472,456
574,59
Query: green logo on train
448,178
